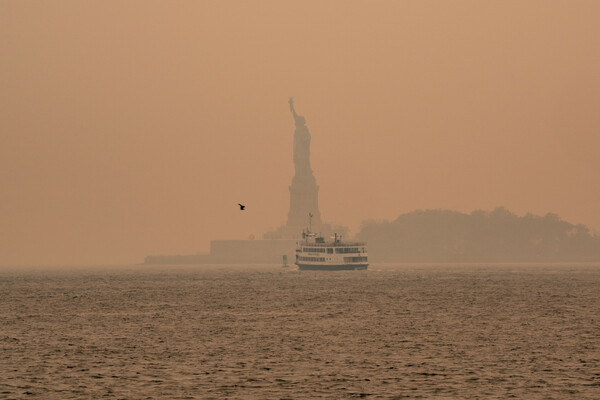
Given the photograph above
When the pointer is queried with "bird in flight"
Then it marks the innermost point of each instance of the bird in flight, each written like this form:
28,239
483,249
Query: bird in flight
241,206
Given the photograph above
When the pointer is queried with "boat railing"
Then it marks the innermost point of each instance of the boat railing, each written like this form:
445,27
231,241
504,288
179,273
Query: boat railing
334,244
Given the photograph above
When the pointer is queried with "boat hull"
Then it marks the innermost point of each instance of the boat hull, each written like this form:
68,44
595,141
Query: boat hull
331,267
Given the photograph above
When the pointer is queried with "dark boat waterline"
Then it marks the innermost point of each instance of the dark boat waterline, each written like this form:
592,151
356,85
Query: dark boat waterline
339,267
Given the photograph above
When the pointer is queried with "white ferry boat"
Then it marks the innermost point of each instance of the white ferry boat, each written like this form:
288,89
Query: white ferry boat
314,253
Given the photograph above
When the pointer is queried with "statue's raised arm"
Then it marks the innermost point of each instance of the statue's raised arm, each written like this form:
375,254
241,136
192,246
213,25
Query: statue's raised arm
298,119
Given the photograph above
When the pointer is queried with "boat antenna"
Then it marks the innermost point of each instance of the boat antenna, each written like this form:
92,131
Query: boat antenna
310,221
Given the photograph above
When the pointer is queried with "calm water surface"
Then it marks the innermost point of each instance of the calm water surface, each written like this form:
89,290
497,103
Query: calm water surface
392,332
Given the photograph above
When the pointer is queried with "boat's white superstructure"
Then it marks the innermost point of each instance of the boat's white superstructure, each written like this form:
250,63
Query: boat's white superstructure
314,253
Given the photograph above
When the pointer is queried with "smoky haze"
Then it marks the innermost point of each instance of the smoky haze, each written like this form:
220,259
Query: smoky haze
135,128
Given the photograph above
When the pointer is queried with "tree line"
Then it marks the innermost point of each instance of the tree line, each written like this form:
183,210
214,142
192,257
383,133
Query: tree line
498,235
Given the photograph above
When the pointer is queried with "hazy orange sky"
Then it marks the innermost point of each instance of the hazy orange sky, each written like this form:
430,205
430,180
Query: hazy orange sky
135,128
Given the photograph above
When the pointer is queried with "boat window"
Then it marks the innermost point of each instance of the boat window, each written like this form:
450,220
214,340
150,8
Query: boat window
345,250
329,251
355,259
314,259
314,249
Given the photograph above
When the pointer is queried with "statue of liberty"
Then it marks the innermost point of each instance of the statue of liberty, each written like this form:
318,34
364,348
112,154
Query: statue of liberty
304,191
301,143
